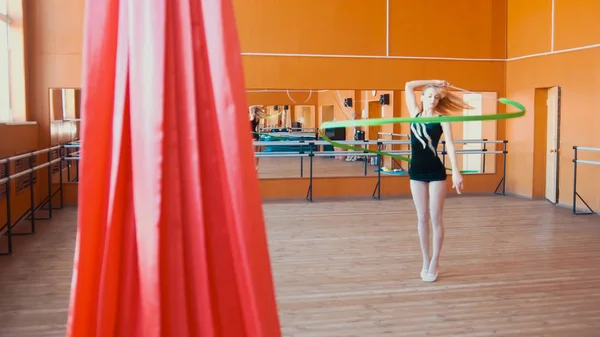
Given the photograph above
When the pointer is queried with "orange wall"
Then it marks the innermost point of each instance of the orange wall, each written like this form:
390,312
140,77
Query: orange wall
346,46
54,36
577,72
46,40
19,136
282,51
358,27
17,139
282,98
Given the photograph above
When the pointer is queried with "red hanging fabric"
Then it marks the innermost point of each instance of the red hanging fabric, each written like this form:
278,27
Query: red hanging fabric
171,239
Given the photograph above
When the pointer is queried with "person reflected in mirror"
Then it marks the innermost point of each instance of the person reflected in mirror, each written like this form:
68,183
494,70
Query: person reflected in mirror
255,112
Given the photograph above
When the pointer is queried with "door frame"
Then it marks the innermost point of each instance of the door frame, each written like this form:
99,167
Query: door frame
467,160
373,114
558,127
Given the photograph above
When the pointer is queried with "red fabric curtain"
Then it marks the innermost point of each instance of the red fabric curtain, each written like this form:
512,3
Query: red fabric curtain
171,238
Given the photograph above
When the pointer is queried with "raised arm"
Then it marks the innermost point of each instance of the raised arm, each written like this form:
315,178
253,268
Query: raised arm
457,180
255,111
409,88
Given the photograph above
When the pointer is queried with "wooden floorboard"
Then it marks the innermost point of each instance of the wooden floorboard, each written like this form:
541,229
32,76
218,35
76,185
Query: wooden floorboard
35,281
345,268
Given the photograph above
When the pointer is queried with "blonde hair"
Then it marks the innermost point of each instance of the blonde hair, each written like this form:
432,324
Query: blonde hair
448,102
255,111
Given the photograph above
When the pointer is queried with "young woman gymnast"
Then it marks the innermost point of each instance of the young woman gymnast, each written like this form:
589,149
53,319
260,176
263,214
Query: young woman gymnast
427,172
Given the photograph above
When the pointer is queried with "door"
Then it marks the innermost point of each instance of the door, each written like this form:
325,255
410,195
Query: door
472,131
375,111
327,113
552,144
308,115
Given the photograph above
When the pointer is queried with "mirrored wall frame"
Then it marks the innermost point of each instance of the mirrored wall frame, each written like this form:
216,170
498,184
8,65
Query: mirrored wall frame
65,114
295,115
64,103
280,157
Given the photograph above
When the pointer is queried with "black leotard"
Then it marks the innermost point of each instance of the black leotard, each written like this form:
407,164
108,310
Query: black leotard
425,163
254,124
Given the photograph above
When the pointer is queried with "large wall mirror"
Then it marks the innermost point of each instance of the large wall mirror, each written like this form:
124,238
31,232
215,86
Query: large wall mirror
64,103
289,117
64,108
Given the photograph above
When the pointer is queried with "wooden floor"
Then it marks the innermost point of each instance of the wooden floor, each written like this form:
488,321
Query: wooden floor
510,267
35,281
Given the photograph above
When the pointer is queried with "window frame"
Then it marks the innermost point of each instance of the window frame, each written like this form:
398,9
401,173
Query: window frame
7,117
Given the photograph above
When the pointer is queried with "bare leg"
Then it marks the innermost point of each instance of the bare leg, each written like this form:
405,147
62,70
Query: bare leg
256,159
437,195
420,194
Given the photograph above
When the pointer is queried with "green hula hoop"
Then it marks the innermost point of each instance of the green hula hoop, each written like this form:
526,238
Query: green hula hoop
269,116
384,121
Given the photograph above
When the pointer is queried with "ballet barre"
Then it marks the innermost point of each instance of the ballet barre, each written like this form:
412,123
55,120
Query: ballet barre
65,156
366,142
393,134
576,161
29,214
362,153
307,149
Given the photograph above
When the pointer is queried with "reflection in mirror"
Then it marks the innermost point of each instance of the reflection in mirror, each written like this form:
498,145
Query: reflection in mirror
64,105
291,119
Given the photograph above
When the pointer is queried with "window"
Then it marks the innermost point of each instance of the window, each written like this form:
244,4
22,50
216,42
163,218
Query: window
5,108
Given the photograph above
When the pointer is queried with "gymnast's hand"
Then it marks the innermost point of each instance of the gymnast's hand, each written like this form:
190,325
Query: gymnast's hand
457,182
441,83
